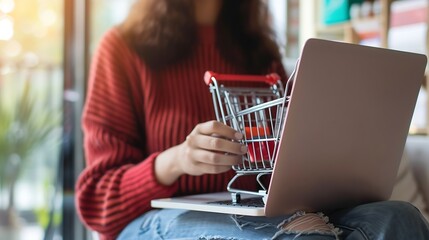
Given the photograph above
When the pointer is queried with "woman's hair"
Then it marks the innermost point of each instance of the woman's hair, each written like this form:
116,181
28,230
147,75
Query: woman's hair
164,31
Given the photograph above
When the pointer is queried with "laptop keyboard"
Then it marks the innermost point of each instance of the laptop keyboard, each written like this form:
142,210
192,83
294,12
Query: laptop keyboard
247,202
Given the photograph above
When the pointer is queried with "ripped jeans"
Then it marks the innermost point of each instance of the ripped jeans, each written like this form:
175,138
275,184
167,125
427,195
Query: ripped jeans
374,221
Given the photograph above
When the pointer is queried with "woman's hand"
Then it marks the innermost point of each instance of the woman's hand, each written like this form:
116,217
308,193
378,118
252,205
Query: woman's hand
211,148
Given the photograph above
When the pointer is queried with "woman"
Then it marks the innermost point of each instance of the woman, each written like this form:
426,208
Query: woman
149,134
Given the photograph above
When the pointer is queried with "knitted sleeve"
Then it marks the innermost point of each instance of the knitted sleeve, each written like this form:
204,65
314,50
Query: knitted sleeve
118,181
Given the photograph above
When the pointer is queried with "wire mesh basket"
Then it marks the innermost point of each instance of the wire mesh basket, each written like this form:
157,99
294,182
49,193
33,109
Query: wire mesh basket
255,106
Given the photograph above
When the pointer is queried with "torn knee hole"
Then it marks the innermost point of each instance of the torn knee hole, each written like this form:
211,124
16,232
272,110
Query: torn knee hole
308,222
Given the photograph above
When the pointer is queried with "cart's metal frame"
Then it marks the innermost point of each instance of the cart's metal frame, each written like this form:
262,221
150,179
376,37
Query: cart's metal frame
255,106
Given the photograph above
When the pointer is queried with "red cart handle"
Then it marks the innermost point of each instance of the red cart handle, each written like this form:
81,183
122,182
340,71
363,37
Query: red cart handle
270,79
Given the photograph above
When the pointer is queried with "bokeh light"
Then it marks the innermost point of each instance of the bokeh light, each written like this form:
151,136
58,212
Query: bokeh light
13,49
48,17
31,59
7,6
6,28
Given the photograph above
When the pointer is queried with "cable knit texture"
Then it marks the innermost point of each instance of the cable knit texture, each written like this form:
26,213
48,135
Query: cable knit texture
132,114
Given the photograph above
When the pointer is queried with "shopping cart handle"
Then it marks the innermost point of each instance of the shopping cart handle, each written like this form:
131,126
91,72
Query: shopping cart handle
270,79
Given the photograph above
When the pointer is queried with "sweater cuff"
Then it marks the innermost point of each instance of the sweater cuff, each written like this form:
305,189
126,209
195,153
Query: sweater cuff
144,175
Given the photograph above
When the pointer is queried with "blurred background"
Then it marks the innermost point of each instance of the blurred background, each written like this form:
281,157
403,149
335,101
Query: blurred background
45,51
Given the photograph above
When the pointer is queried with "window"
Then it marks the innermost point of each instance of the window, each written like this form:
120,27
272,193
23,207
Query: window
31,86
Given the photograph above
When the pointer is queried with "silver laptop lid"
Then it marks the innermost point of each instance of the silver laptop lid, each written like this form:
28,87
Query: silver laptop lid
346,126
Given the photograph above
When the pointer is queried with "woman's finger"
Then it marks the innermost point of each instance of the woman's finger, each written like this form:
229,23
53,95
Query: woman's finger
216,144
212,169
219,129
213,158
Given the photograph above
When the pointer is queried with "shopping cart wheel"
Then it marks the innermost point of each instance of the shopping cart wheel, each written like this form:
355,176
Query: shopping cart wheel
236,198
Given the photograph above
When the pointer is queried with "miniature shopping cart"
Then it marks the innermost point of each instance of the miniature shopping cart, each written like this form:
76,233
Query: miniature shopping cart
255,106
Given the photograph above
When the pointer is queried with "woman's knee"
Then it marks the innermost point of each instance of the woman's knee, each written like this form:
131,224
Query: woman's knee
385,213
396,210
386,220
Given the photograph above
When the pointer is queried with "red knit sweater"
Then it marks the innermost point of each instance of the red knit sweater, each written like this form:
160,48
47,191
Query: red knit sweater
131,114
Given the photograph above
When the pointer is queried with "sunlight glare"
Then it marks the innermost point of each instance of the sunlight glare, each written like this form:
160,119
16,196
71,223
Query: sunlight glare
6,28
7,6
48,17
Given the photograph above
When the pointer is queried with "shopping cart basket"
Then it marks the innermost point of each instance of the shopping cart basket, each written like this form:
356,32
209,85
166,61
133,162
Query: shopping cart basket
255,106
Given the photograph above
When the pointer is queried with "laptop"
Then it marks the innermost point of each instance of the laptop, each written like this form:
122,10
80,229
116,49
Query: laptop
343,137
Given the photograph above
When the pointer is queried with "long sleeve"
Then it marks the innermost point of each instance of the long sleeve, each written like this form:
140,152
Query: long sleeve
118,182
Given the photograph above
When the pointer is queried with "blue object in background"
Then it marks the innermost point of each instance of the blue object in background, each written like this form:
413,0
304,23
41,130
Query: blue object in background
337,11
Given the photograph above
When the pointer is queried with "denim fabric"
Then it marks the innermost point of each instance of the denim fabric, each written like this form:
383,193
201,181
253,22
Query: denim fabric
374,221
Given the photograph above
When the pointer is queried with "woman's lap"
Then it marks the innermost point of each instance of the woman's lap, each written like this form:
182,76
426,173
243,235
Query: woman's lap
182,224
369,221
382,220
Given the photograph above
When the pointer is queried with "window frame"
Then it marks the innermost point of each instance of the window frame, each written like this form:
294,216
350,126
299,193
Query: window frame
75,64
